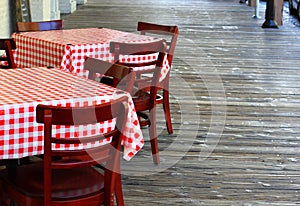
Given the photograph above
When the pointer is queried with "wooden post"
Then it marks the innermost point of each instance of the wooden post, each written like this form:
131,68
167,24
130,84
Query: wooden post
269,15
278,4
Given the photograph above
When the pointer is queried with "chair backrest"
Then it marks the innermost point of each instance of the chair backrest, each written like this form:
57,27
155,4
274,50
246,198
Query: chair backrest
118,76
7,60
146,60
74,158
40,26
162,31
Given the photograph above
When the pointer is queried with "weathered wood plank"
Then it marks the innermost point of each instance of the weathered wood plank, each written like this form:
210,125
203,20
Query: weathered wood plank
235,95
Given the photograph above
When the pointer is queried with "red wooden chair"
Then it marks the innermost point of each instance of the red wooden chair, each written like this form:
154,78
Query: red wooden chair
7,59
147,82
68,177
40,26
118,76
170,33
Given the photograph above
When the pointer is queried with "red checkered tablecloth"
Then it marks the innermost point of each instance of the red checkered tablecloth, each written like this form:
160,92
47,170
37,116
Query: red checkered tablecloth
67,49
23,89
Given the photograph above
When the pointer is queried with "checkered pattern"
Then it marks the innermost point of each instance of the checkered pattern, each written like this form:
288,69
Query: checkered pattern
67,49
23,89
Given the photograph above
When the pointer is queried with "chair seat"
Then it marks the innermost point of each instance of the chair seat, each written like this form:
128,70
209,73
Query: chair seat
66,184
142,100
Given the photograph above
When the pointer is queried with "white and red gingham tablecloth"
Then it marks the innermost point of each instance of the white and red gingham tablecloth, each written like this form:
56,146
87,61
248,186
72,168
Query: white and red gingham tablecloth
23,89
67,49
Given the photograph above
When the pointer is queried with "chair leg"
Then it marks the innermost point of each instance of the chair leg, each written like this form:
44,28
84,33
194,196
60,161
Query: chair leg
4,201
153,136
166,106
119,191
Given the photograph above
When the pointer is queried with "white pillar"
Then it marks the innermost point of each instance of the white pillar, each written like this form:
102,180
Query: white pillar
40,10
256,10
67,6
55,12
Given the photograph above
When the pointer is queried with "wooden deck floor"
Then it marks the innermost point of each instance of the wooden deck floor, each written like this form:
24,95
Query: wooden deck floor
235,105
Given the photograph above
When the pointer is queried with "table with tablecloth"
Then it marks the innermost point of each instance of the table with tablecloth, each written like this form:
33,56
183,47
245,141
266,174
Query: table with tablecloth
68,48
23,89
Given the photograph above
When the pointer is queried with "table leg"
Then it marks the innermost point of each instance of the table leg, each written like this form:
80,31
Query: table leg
11,165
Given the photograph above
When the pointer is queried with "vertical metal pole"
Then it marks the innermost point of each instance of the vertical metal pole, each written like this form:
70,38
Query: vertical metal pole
256,10
270,10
